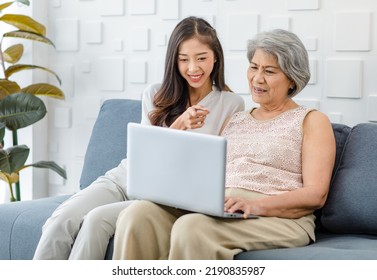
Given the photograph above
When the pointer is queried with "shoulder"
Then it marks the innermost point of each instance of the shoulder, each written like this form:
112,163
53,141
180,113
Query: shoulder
316,121
150,91
233,99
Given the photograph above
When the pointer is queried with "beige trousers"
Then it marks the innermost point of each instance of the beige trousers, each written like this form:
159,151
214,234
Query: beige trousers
150,231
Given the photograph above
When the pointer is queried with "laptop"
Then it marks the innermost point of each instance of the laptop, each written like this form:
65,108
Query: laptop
181,169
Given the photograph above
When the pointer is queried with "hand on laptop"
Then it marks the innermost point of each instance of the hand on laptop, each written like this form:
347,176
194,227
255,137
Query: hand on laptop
238,205
192,118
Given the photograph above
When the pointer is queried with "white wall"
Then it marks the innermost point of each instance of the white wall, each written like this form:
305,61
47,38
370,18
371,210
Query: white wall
115,48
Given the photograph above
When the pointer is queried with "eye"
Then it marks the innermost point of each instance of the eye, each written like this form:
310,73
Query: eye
182,59
253,68
202,58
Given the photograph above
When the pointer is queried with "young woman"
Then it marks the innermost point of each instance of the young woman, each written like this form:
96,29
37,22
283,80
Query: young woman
192,96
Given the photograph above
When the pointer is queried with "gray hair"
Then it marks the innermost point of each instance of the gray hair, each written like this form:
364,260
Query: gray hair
290,53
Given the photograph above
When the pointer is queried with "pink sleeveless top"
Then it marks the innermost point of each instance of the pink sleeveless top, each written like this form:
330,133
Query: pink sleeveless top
265,156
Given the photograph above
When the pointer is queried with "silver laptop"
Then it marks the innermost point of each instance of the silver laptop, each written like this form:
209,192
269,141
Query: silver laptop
181,169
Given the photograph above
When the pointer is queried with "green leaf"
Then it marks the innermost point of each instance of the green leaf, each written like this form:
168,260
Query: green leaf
25,2
13,53
8,87
2,132
44,89
51,165
20,67
24,23
13,158
21,110
29,36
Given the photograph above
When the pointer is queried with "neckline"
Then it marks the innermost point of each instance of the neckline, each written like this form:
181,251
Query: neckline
206,97
274,118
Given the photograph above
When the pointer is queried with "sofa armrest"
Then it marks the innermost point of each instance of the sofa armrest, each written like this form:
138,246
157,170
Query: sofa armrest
21,226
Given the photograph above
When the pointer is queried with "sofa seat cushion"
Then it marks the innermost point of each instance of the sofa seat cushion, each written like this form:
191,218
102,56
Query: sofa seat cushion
327,247
351,206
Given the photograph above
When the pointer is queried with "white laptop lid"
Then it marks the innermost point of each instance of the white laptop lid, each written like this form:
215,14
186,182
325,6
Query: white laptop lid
177,168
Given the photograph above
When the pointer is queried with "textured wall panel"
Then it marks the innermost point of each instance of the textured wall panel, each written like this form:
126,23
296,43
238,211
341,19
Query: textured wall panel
66,34
112,7
118,45
137,71
66,74
85,66
62,117
56,3
282,22
142,7
310,103
372,108
344,78
241,27
140,38
115,80
313,71
302,4
352,31
169,9
235,74
92,32
335,117
310,43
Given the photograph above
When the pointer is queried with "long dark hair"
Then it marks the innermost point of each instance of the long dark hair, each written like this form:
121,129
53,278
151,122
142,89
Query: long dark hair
172,98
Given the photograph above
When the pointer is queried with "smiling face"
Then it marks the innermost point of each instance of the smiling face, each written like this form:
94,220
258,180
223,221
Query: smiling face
268,83
195,63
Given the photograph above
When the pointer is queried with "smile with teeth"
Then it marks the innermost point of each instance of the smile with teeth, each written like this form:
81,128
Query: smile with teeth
195,78
259,90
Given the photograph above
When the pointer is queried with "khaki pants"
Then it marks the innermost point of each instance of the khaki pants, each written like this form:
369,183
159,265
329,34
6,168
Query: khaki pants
149,231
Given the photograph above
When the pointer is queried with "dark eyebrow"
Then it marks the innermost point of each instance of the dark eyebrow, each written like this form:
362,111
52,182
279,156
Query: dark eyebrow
195,54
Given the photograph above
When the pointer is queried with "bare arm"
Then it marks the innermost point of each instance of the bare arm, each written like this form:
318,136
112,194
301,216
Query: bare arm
318,157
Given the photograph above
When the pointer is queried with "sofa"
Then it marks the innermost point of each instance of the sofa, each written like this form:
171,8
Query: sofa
346,225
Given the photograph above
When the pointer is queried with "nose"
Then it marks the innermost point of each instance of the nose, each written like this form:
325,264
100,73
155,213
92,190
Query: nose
259,77
192,66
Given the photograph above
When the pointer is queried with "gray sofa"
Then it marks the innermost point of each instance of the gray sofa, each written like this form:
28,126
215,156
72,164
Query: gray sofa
346,225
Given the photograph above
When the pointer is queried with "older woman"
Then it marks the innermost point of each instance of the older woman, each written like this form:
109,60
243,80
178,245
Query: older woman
280,160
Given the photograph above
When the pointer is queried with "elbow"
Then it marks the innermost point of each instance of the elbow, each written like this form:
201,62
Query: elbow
319,201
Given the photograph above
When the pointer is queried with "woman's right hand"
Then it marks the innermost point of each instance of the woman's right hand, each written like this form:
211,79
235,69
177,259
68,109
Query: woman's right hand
194,117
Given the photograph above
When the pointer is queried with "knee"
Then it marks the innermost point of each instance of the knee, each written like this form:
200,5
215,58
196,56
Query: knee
94,219
189,228
135,214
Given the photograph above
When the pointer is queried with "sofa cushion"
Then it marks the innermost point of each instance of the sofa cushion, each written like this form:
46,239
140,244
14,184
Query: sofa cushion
351,205
99,158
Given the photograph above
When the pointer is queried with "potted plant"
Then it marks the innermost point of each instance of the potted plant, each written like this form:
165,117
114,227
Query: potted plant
21,107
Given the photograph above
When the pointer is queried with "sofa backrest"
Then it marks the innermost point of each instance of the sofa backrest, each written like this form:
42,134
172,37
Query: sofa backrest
341,133
107,143
351,205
